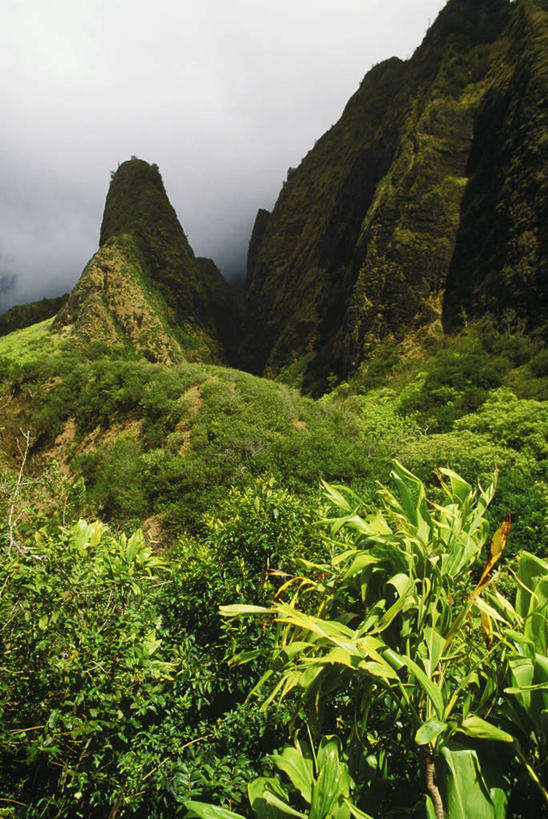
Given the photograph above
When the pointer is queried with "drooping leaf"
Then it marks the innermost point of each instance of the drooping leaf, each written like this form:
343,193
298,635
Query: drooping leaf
256,792
497,547
474,726
275,802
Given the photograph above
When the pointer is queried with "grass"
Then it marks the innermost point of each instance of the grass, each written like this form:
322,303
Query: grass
30,344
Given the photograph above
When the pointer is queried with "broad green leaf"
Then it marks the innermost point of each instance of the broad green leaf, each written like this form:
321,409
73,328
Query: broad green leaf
429,731
434,645
531,569
464,789
402,583
413,500
430,809
135,544
337,656
205,811
332,784
360,562
256,793
276,802
297,767
356,812
236,610
460,489
477,727
43,622
340,558
382,670
536,624
336,497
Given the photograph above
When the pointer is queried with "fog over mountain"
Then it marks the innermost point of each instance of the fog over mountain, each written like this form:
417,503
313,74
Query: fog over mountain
224,97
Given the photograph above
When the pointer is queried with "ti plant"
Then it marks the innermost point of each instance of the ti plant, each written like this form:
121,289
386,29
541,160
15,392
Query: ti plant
320,783
404,617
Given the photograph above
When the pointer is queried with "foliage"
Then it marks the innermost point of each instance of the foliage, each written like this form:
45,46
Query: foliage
84,666
320,785
403,640
122,661
27,345
24,315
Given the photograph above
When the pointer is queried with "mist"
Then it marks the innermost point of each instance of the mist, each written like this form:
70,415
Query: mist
224,97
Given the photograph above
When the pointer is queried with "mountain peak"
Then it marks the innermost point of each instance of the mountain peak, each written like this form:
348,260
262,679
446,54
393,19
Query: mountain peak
145,286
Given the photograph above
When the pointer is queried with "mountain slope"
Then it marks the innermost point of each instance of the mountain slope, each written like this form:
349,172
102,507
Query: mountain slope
380,216
144,286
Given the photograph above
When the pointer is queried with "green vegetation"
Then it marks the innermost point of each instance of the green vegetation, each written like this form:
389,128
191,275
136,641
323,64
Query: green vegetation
118,692
382,645
411,650
395,654
29,344
23,315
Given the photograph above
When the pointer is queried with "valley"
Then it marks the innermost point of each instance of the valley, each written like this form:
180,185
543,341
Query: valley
281,550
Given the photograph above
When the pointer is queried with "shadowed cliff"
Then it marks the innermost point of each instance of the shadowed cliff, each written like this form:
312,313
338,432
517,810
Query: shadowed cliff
433,178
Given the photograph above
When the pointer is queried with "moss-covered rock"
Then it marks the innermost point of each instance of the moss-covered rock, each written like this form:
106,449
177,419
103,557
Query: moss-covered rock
144,286
409,193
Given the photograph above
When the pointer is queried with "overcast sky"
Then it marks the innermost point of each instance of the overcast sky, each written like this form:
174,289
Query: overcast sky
224,95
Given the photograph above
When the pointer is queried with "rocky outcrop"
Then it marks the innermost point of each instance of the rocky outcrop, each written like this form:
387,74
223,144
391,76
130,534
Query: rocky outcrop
144,286
420,198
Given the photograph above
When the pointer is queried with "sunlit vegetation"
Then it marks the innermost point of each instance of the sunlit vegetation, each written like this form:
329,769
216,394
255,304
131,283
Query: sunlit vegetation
403,645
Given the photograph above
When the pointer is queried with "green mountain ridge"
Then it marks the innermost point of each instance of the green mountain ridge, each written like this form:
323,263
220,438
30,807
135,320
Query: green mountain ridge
427,198
144,286
424,207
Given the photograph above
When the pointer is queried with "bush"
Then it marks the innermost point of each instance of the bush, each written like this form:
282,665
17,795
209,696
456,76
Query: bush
84,668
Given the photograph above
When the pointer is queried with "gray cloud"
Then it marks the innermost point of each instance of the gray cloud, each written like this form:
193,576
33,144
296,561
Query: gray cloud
224,95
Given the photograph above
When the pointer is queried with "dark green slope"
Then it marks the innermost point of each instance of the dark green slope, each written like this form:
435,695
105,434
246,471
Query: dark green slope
144,287
501,254
23,315
297,273
365,232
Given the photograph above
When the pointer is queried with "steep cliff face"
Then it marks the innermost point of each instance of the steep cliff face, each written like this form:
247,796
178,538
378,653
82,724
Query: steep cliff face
398,200
144,286
501,254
